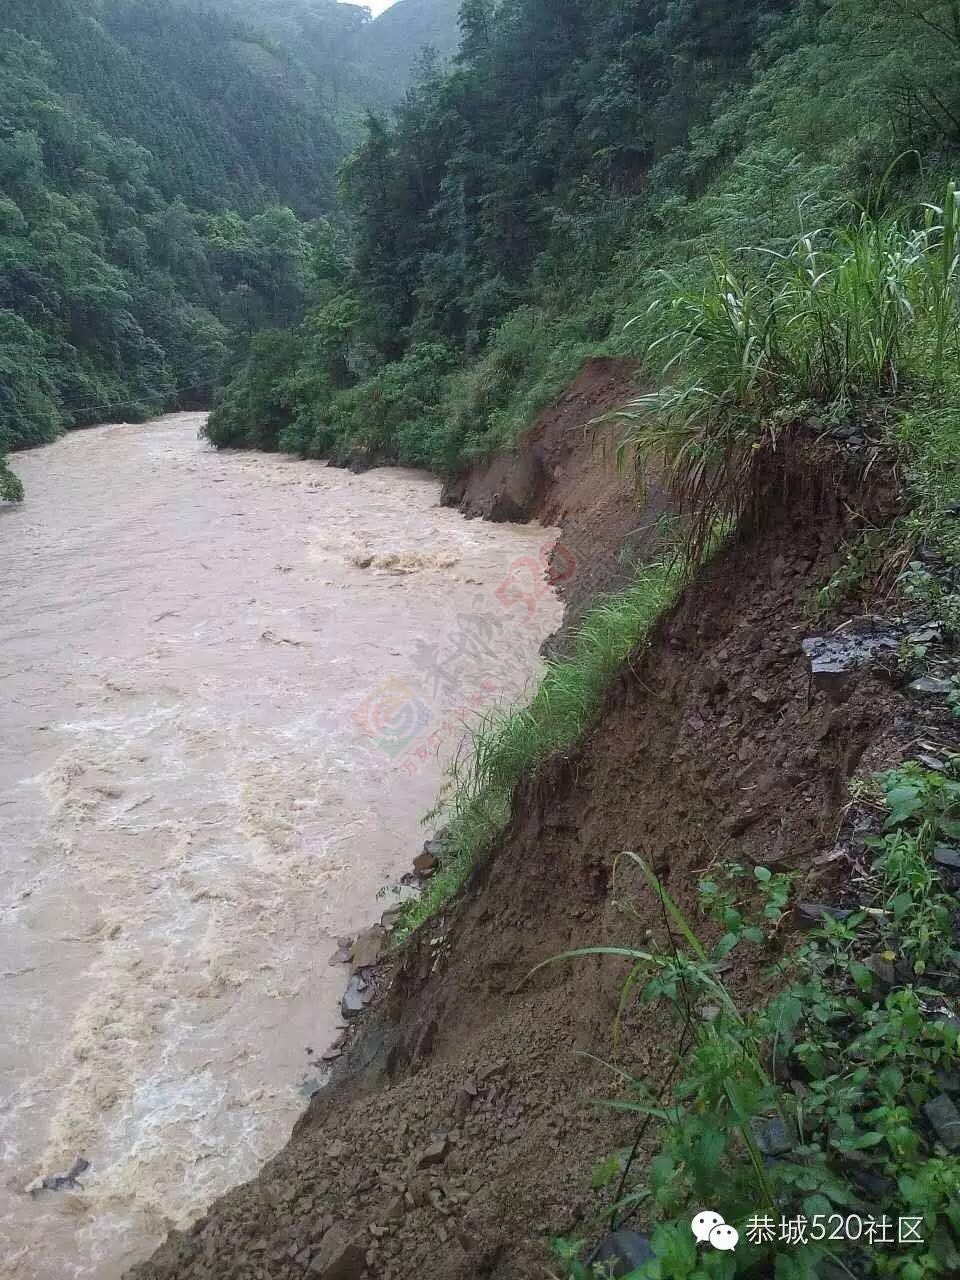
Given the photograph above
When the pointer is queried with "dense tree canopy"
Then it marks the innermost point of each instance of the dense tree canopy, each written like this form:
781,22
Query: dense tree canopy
510,216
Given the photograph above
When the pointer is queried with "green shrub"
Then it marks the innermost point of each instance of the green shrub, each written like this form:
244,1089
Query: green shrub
29,398
11,488
395,413
255,406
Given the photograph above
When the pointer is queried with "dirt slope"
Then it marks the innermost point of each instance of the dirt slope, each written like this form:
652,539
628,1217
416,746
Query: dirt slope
458,1137
565,473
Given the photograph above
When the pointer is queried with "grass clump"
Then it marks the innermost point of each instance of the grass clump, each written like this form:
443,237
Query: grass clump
829,325
508,744
810,1109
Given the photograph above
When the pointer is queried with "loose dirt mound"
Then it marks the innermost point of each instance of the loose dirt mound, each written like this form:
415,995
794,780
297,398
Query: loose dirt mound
459,1138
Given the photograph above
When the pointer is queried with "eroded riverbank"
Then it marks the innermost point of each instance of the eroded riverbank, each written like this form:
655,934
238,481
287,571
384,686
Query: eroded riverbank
226,680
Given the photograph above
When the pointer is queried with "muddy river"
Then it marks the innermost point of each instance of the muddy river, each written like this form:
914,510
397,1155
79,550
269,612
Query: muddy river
229,684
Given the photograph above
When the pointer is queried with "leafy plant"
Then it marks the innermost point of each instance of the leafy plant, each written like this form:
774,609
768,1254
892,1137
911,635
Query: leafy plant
834,1071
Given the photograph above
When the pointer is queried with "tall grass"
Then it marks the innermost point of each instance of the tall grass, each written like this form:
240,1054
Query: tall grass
836,319
507,744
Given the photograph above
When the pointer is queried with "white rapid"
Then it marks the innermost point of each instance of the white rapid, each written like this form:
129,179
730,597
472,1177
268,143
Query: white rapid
228,686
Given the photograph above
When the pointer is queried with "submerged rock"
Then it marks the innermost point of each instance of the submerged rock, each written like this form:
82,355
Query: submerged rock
61,1181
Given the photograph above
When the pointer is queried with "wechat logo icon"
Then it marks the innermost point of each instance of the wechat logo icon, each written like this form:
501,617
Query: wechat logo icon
709,1227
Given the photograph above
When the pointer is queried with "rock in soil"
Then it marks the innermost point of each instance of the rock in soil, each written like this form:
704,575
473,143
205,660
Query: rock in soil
810,915
932,685
625,1250
424,864
369,948
353,1001
945,856
945,1119
340,1258
436,1153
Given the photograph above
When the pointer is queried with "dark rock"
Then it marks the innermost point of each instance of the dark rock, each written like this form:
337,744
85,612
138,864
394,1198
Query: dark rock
932,685
873,1184
946,856
390,917
353,1001
491,1069
424,864
435,1154
882,968
623,1252
369,947
504,509
928,761
835,658
735,824
462,1105
810,915
339,1258
61,1181
944,1118
929,633
772,1137
395,1209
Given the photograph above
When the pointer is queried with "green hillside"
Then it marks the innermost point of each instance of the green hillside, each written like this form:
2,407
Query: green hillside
521,210
393,41
150,162
230,120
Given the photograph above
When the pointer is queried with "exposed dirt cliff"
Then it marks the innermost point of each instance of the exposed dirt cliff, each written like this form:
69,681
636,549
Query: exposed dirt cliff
565,473
458,1135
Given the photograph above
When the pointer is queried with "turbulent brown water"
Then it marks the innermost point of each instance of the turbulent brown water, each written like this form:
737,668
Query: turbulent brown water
228,686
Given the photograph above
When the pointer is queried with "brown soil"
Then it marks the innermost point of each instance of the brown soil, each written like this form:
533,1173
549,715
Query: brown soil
711,745
565,473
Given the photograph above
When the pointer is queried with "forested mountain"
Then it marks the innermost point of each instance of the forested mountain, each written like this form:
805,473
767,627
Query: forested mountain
230,120
150,161
393,40
161,162
360,63
327,38
516,212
